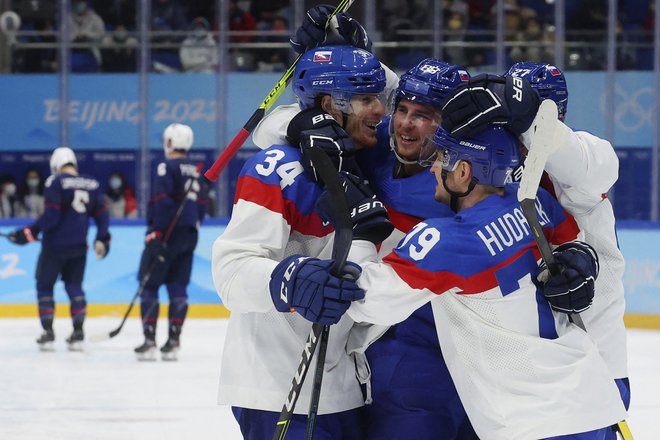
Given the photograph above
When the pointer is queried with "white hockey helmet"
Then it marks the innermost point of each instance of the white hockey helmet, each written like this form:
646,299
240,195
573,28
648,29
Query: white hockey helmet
62,156
180,137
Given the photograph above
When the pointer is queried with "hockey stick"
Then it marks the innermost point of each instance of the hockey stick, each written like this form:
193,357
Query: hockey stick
545,141
240,138
340,247
154,263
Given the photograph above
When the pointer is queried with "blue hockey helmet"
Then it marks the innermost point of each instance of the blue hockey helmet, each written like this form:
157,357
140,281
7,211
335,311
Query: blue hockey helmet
430,81
339,71
492,152
546,79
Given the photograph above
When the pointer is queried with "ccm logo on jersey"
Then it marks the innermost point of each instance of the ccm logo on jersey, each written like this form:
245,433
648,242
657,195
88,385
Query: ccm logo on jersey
517,88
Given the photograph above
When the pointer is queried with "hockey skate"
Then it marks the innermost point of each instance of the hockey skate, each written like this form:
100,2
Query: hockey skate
46,341
146,351
169,351
75,341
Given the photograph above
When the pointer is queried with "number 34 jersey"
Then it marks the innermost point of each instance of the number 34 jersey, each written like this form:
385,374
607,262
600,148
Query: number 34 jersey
274,217
522,371
70,201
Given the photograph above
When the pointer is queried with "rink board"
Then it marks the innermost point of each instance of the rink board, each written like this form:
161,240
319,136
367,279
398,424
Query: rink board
110,284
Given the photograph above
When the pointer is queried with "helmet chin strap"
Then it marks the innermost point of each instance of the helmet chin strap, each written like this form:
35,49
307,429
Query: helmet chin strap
453,203
399,158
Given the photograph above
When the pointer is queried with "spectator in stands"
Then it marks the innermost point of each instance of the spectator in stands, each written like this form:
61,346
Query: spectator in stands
119,198
275,60
86,26
37,60
7,196
199,52
119,51
240,20
30,200
169,15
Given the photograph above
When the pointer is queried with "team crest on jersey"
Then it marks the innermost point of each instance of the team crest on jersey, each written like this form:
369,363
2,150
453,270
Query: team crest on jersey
322,56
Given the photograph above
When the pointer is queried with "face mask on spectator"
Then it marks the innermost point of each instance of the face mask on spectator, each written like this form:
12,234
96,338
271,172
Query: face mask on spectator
115,183
120,36
33,182
80,8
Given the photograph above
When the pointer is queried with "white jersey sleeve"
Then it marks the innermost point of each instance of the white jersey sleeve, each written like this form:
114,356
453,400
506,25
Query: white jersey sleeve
271,130
244,257
585,167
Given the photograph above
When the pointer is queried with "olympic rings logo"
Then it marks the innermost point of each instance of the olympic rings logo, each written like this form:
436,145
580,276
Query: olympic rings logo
632,111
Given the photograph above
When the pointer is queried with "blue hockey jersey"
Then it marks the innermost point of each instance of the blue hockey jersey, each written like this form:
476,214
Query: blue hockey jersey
70,201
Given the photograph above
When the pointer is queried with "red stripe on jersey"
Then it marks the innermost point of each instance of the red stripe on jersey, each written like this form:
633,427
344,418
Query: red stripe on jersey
403,222
566,231
270,197
52,205
440,282
158,197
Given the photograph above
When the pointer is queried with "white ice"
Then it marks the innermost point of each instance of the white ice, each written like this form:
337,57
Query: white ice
103,393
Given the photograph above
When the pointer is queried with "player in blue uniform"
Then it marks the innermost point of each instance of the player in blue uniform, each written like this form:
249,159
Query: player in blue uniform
173,177
407,367
70,200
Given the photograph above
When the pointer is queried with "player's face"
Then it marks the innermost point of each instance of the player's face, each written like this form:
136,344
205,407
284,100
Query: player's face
414,124
365,113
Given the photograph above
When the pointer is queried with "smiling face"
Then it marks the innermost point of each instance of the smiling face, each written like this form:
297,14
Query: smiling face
413,125
365,113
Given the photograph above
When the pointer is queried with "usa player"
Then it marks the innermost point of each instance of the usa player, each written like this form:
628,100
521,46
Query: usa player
579,174
70,200
521,370
173,177
273,218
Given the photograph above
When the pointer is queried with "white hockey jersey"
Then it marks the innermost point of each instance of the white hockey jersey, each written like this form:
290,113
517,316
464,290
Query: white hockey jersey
522,371
582,171
273,217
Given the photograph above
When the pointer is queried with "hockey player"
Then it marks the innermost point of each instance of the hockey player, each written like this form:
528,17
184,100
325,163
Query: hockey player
70,200
405,363
274,217
521,370
176,178
579,174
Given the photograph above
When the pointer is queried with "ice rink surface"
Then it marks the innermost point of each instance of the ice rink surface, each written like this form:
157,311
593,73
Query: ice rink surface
103,393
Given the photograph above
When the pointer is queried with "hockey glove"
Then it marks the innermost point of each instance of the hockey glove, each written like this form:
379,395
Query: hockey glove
153,238
369,216
342,29
305,285
572,290
490,99
22,236
316,128
101,247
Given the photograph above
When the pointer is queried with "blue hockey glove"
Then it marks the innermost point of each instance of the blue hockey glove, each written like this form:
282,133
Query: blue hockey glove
490,99
369,216
22,236
342,29
572,290
306,285
316,128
